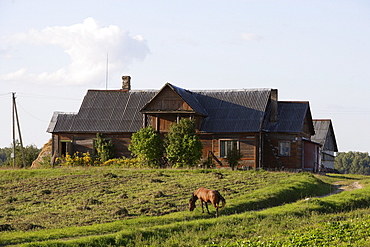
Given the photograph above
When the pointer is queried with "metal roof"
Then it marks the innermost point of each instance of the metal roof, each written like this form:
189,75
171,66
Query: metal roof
239,110
226,110
105,111
190,98
291,117
233,111
118,111
61,120
324,134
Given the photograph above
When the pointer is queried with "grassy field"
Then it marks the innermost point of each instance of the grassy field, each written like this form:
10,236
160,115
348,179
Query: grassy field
110,206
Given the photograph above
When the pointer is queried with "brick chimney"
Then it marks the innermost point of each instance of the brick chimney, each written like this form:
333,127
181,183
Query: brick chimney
126,83
274,106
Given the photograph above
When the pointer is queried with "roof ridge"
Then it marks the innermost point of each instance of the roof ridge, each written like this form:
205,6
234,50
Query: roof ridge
198,107
120,90
231,90
293,101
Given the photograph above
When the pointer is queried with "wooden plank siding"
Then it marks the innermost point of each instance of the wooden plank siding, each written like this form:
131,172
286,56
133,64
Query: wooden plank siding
168,100
162,122
248,145
168,108
272,158
83,142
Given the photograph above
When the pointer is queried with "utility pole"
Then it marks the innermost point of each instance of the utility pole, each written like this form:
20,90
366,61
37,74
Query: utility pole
15,117
13,128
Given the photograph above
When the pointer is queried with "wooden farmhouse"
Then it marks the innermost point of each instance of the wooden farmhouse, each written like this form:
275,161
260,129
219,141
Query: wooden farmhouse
324,134
269,133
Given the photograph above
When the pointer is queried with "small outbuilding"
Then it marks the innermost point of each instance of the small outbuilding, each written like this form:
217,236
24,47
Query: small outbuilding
324,134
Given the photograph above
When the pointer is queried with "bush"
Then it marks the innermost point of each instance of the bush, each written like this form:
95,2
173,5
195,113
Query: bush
147,146
183,147
233,157
104,148
76,160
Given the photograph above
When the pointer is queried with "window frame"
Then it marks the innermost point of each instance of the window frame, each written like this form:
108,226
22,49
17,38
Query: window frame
223,146
284,148
65,147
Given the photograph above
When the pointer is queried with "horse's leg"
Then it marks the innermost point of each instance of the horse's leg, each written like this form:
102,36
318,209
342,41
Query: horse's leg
207,207
201,203
215,204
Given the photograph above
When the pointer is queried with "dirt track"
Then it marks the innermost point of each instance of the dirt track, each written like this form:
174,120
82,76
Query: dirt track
343,187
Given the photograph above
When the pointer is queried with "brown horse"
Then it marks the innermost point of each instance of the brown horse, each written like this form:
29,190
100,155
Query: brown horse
206,195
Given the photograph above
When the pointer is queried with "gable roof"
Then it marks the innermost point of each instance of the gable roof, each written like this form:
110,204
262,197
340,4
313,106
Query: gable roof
291,117
234,110
225,110
190,98
104,111
324,134
243,110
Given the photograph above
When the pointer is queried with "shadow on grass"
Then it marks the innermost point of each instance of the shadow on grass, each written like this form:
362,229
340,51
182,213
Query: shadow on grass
274,196
268,197
342,177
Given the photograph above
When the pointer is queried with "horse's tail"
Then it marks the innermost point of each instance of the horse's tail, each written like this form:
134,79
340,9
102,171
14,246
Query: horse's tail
222,199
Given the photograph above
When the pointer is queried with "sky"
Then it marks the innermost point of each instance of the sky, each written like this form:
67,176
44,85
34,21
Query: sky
52,52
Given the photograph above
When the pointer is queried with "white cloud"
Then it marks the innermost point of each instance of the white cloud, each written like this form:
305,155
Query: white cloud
250,36
87,45
16,74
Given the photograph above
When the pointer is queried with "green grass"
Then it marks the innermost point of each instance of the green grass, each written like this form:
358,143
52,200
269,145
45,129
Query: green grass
77,197
262,208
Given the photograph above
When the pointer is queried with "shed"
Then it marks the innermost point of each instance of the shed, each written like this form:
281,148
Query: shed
324,134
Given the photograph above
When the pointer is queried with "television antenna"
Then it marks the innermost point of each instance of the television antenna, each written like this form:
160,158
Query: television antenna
106,74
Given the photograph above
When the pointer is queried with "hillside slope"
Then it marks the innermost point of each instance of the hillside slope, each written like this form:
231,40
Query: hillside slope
119,203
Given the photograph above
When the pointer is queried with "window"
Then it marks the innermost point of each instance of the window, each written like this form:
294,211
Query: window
65,147
284,148
226,145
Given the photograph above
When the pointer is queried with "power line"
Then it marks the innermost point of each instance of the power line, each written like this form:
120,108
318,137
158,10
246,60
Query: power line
4,95
341,112
39,96
4,98
31,114
46,96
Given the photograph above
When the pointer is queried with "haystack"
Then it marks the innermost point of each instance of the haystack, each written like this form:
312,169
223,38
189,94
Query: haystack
45,152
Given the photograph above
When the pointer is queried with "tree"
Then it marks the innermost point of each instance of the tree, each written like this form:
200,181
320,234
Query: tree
147,146
353,163
4,153
30,154
183,147
104,148
233,157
